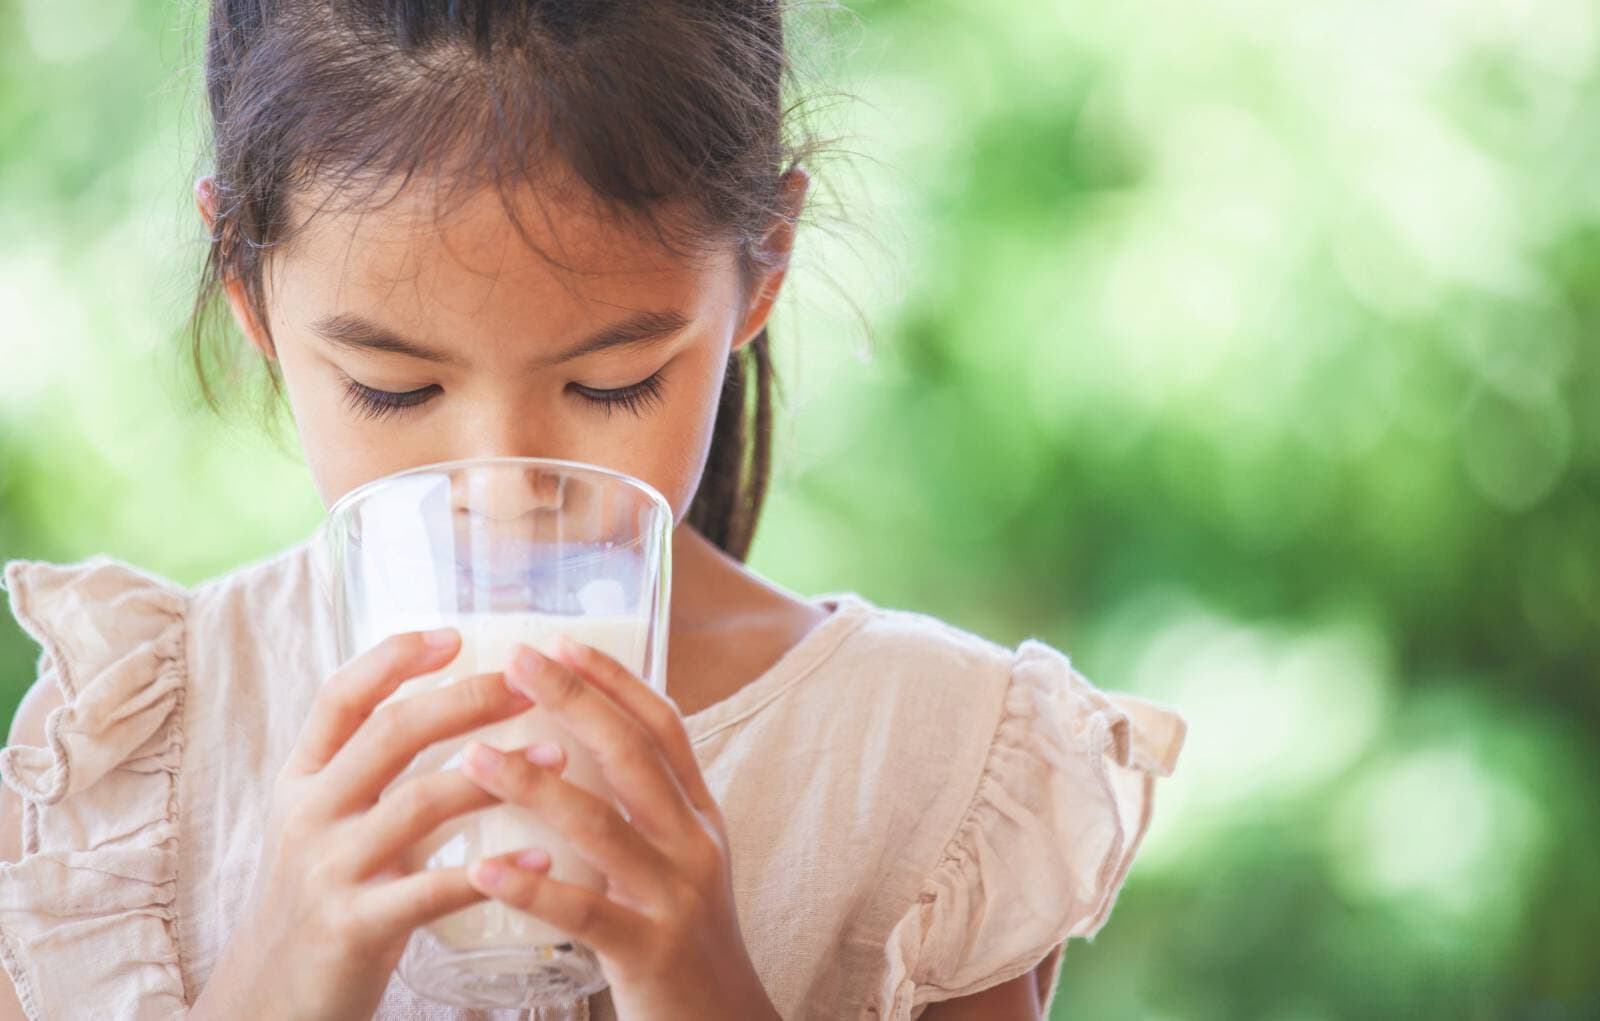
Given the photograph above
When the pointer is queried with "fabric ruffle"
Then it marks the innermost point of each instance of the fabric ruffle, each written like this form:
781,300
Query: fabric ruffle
1062,804
86,916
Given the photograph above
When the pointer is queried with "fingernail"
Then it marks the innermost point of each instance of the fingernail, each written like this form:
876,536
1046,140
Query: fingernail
546,754
566,646
515,686
527,660
534,859
490,873
439,638
484,758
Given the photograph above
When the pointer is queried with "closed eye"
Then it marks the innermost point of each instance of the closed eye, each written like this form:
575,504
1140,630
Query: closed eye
636,398
369,403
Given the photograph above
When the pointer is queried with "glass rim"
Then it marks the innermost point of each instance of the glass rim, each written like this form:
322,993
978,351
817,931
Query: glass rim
342,505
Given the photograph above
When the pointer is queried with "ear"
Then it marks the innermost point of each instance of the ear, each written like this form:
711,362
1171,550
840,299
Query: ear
778,244
205,199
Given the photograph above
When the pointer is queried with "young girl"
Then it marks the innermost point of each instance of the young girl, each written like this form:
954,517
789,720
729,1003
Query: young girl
536,228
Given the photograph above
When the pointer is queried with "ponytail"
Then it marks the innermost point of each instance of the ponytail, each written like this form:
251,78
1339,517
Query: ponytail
733,487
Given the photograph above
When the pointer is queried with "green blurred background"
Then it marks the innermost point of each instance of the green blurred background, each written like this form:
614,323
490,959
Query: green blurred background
1244,350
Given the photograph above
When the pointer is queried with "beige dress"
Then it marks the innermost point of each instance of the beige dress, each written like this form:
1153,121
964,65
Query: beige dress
915,813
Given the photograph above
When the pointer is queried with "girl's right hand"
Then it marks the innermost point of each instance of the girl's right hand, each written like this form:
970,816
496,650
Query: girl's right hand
331,908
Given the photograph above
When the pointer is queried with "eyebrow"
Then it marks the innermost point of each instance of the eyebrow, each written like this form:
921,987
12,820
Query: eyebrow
357,333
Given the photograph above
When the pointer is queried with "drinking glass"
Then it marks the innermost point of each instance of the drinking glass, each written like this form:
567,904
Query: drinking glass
505,550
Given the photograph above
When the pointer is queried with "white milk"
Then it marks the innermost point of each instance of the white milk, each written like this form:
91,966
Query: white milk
486,641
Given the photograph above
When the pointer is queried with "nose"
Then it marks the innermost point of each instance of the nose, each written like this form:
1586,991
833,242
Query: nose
509,492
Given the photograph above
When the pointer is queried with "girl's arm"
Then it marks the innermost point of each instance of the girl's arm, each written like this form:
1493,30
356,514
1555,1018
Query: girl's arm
27,727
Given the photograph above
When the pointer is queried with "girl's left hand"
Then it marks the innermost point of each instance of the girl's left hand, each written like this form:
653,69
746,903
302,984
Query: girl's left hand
665,928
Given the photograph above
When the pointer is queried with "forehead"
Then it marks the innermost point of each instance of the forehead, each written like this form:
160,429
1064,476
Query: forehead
489,255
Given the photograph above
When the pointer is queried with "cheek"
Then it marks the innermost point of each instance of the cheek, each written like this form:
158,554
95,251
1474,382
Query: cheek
673,457
339,455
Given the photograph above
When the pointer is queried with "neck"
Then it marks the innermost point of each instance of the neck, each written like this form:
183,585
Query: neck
703,580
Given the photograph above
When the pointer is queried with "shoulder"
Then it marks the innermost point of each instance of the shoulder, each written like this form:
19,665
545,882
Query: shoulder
290,573
79,610
90,773
116,647
925,697
902,654
90,778
271,617
1036,794
1028,690
75,610
109,670
889,692
974,716
918,636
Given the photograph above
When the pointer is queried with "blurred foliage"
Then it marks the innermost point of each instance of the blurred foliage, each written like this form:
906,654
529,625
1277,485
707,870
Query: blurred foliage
1244,350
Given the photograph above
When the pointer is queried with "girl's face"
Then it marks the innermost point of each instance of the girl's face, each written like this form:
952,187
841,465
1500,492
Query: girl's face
404,338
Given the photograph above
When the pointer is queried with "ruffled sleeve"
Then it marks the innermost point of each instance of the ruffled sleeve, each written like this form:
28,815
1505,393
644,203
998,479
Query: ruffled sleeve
1059,810
86,916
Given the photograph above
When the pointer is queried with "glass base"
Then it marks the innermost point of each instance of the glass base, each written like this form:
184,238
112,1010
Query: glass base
540,976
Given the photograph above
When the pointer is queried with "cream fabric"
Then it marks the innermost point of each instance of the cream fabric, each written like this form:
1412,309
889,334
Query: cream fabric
915,812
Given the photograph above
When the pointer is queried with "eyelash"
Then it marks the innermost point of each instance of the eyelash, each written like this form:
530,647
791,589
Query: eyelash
376,404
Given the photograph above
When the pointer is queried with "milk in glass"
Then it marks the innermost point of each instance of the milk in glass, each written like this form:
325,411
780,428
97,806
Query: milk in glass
486,641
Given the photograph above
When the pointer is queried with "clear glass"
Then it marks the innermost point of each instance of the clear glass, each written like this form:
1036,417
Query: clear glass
505,549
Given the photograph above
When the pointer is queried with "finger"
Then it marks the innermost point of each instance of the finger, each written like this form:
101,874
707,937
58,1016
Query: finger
584,914
350,694
387,742
404,815
653,709
402,904
593,827
624,750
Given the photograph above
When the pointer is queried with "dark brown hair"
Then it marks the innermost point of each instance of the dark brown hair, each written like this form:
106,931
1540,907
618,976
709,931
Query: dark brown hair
671,113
